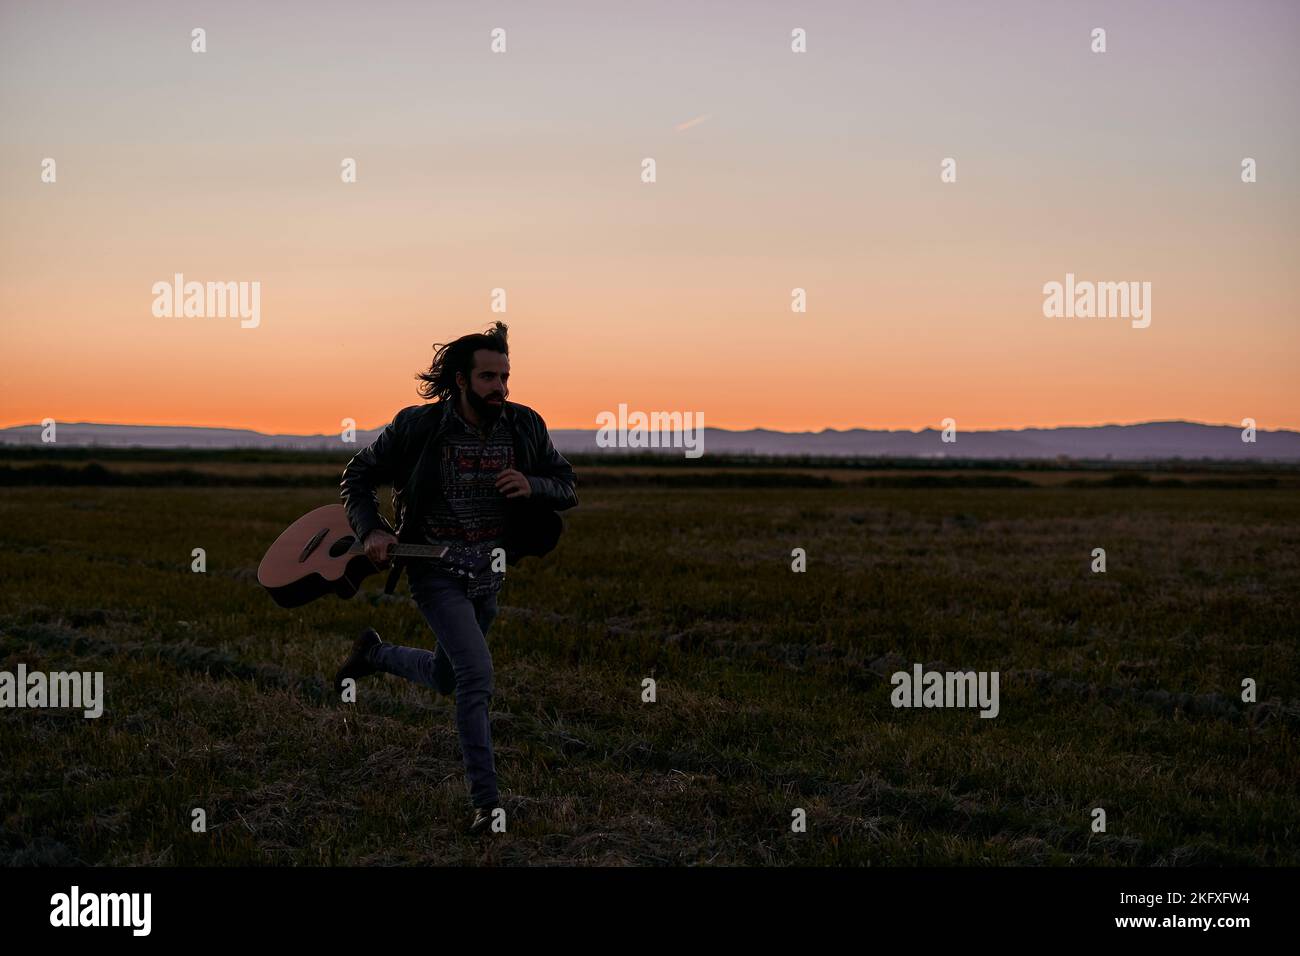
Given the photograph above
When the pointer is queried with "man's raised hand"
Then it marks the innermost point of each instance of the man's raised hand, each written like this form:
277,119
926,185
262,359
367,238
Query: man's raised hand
513,484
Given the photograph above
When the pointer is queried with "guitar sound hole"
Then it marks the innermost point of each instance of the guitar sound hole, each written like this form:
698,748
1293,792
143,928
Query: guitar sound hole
341,546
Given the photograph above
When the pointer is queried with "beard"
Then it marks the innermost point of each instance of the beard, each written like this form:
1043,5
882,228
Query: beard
485,410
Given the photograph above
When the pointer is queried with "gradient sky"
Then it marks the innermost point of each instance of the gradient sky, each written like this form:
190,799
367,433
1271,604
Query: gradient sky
521,170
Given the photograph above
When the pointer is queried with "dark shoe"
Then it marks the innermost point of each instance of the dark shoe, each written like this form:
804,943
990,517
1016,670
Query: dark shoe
483,819
358,664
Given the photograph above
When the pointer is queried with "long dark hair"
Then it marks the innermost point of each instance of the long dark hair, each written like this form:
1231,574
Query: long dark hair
458,356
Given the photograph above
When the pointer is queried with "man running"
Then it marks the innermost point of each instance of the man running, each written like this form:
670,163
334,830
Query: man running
479,476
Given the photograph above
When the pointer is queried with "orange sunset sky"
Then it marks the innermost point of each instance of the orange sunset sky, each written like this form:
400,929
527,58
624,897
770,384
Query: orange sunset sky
775,170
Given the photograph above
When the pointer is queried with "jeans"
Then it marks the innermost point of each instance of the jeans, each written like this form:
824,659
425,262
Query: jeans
460,662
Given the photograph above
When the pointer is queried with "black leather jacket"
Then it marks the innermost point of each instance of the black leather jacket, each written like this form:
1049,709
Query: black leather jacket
398,454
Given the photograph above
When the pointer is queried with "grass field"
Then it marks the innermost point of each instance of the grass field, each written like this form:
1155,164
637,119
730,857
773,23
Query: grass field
1119,690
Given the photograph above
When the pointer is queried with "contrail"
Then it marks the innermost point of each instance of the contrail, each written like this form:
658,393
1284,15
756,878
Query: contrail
693,122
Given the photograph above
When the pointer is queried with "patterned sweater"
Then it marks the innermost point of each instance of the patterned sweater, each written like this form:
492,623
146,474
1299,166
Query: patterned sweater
469,517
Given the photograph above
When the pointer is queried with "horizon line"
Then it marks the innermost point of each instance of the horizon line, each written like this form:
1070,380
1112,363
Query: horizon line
807,431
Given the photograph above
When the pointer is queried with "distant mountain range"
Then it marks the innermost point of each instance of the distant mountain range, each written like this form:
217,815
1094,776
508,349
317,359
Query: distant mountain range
1145,441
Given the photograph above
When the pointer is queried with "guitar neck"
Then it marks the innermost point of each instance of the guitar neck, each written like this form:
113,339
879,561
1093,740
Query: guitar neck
408,550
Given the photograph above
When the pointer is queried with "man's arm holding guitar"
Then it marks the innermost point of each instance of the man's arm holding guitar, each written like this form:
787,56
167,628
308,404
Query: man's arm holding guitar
369,468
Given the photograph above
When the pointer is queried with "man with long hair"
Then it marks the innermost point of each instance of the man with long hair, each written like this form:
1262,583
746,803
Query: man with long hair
478,476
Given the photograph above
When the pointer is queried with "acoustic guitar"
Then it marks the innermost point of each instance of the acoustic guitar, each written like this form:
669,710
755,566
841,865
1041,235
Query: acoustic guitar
319,554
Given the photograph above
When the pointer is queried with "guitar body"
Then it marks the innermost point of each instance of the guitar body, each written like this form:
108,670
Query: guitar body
316,555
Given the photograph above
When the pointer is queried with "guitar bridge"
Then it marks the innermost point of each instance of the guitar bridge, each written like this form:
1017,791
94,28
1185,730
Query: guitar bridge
312,545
